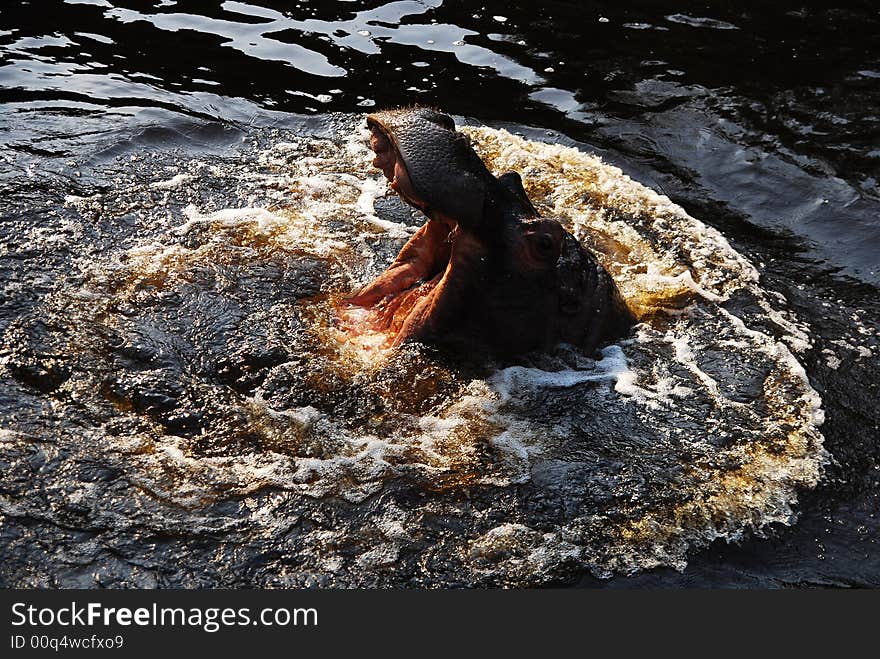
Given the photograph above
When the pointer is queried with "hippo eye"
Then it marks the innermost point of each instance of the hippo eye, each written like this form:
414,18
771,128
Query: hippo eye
544,247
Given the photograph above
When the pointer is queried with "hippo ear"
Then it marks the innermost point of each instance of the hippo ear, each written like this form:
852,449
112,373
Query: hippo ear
512,181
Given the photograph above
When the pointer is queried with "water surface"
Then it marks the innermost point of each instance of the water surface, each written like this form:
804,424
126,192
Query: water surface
185,192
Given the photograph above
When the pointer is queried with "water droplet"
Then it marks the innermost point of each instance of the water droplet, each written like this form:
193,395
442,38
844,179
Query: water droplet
323,98
364,33
549,69
458,43
500,19
602,19
367,103
430,41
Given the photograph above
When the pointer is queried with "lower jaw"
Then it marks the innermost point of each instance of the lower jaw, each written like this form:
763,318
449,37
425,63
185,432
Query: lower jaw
380,325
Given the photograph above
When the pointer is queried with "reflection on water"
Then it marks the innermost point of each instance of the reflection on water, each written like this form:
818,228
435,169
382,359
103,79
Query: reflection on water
668,87
178,408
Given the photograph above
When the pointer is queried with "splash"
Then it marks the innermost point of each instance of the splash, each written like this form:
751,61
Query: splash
209,366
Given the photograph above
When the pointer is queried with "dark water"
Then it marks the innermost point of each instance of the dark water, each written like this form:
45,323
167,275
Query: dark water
761,122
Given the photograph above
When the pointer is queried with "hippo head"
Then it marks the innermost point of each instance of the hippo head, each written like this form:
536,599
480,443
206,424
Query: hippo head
485,272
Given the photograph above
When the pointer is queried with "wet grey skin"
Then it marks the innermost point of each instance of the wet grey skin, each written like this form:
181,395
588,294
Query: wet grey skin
514,281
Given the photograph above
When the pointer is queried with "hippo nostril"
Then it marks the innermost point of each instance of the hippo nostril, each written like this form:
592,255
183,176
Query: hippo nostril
545,242
446,121
440,118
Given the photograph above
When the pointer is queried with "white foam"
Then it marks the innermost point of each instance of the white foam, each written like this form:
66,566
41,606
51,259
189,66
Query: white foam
75,200
515,380
174,182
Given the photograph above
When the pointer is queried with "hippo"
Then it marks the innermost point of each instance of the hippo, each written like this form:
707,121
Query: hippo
486,272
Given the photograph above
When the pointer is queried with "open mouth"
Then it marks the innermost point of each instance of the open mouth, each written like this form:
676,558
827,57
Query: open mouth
381,323
405,292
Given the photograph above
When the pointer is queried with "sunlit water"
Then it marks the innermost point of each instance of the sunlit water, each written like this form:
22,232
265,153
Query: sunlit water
182,400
